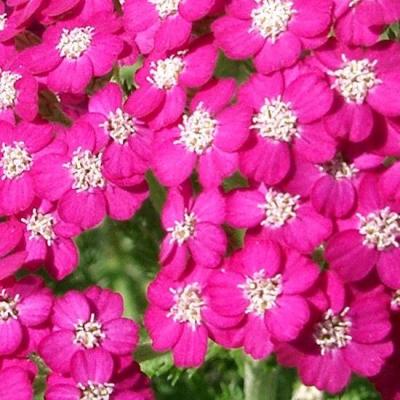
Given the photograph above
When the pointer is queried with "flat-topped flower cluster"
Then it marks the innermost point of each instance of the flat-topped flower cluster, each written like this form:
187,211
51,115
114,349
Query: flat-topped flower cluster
313,130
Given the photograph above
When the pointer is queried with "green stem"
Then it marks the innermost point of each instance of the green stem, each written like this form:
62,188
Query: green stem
260,383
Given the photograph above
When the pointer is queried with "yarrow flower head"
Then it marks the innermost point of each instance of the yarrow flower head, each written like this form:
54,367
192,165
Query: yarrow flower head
282,120
164,78
278,216
89,327
71,60
96,375
191,224
259,299
81,179
336,337
268,27
204,137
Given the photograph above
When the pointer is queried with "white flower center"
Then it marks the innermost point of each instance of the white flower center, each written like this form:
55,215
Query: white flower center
15,160
197,131
165,73
276,121
279,208
8,306
8,92
261,292
272,18
73,43
188,305
183,230
3,21
40,225
339,169
355,79
119,126
85,168
333,332
380,229
96,391
89,334
166,8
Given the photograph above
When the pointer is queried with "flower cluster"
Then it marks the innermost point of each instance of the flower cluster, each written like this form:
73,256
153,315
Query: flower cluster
312,130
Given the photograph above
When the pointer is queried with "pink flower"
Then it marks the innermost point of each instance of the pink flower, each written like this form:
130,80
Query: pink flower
162,24
179,317
126,139
348,334
285,120
84,322
8,24
94,374
164,78
278,216
18,382
25,306
366,81
360,23
369,238
74,52
11,254
48,241
207,138
272,32
20,146
193,226
266,292
74,175
18,90
333,185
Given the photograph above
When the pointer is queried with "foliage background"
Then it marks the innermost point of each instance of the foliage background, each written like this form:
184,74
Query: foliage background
123,256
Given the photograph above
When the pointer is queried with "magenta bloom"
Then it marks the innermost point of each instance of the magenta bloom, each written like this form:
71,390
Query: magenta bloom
278,216
18,383
164,78
193,226
48,241
74,175
360,23
179,317
25,306
84,322
365,81
74,52
272,32
126,139
348,334
11,254
266,292
370,237
162,24
285,121
95,374
18,89
333,185
20,146
207,138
